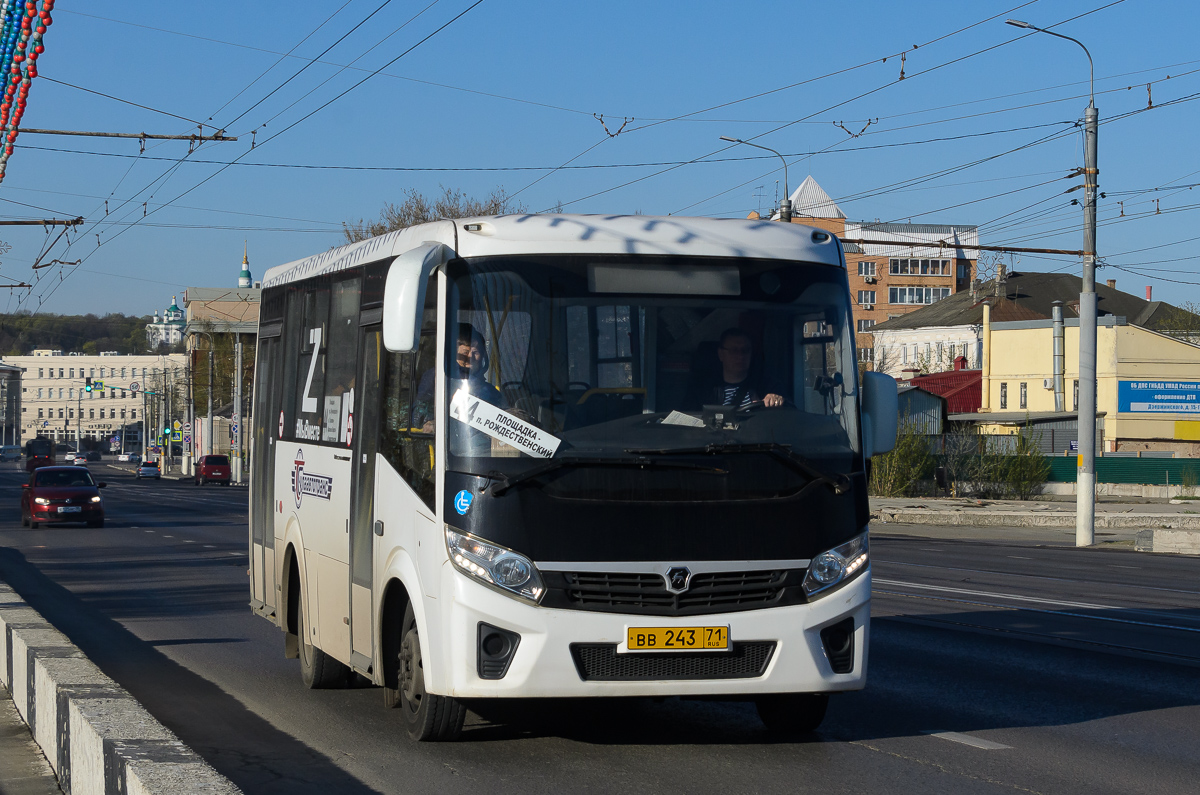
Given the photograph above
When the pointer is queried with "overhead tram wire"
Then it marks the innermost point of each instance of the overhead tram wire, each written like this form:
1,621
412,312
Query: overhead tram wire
840,104
284,130
125,101
282,56
304,68
350,65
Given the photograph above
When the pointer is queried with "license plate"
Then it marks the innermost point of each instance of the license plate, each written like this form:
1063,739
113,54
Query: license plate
677,638
70,509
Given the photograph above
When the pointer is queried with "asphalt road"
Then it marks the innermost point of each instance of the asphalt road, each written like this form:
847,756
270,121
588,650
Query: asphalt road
994,667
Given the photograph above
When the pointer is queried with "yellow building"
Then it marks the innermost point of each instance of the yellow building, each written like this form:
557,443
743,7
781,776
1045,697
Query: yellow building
1148,383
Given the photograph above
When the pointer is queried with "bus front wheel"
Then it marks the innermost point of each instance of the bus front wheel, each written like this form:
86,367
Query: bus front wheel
428,717
792,713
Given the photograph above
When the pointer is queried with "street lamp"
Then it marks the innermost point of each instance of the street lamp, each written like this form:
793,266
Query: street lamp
1085,498
785,204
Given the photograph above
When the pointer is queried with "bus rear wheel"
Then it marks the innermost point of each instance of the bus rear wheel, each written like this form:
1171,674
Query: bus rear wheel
792,713
428,717
318,670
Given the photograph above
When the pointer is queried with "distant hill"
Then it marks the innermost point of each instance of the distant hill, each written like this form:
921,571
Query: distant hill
23,332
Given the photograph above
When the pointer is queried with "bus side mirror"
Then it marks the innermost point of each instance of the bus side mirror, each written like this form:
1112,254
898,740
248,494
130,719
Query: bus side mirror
880,413
404,295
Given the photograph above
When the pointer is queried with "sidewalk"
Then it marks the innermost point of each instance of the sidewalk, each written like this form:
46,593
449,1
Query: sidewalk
23,768
1150,525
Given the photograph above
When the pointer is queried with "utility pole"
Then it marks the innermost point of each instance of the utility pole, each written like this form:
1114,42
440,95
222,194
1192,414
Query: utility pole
1085,481
238,417
785,204
208,421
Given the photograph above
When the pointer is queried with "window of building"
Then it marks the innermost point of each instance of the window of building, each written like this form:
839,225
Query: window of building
953,351
866,268
928,352
41,372
60,394
92,372
1024,395
91,414
101,413
71,414
1003,395
122,372
866,297
920,267
904,354
71,393
122,413
917,295
60,372
39,393
939,351
866,354
60,414
71,373
865,325
133,414
40,414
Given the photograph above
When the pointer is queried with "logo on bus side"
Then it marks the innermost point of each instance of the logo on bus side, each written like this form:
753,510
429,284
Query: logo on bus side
319,486
462,502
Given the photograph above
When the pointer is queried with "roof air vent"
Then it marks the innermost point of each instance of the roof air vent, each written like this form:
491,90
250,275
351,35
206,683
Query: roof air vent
820,237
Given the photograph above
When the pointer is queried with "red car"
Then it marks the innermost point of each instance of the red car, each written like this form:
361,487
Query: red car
61,494
212,469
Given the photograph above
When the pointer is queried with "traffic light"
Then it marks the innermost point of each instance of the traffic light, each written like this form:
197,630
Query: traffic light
87,384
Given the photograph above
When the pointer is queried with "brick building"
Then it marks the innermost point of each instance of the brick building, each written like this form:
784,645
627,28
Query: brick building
887,281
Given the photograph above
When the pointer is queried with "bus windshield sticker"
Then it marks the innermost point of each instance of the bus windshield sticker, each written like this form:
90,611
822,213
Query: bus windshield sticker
499,424
333,418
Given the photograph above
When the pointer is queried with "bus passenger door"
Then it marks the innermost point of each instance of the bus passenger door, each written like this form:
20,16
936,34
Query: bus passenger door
262,479
365,424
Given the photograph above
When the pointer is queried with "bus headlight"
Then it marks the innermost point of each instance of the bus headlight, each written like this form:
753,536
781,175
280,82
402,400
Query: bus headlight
837,565
494,565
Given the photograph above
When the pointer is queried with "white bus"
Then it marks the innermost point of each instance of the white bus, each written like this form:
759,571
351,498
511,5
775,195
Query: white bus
558,456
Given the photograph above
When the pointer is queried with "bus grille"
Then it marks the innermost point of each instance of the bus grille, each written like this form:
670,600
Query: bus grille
599,662
646,593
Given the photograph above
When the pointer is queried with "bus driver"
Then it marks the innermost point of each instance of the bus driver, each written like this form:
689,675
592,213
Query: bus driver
735,387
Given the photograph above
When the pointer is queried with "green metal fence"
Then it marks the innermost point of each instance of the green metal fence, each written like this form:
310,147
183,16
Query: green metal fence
1146,471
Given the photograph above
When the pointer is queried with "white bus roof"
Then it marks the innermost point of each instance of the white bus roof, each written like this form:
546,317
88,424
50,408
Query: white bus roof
579,234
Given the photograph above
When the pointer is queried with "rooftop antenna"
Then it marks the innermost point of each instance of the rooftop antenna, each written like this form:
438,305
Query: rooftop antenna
760,193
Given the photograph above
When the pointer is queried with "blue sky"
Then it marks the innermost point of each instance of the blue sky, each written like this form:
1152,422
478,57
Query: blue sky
506,93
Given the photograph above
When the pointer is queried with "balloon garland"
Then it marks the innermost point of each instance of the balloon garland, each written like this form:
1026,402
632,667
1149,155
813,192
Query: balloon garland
20,45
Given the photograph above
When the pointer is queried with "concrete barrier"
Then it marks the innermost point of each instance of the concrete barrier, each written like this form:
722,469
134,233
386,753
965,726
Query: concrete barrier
1183,542
97,738
1031,518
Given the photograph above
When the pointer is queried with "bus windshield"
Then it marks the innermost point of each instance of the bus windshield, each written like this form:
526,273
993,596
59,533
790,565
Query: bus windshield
639,358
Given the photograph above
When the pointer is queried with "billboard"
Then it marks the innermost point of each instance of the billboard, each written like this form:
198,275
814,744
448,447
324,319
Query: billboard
1159,397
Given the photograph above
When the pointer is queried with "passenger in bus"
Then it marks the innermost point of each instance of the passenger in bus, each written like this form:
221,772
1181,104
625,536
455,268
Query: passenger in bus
733,382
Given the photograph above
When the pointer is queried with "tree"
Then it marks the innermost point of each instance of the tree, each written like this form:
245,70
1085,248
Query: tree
1182,322
419,209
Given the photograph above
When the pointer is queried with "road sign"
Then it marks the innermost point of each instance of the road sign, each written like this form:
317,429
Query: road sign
187,427
135,386
176,436
177,425
187,438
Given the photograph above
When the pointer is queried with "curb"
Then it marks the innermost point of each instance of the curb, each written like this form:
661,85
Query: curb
1128,521
96,737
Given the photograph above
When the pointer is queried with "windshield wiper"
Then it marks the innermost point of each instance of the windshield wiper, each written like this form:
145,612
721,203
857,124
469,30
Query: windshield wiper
558,463
838,482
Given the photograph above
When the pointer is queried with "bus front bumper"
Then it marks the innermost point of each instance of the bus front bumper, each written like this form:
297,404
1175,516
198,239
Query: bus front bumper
574,653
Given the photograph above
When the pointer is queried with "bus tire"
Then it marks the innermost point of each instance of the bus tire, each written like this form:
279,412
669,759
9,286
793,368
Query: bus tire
318,670
792,713
428,718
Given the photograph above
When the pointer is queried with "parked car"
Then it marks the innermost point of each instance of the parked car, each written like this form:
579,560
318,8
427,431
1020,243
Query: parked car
10,452
77,459
92,455
61,494
212,469
129,458
148,469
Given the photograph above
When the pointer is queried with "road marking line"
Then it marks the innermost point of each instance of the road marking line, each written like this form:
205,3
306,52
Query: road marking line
235,553
1118,566
188,542
966,739
1018,557
168,536
210,546
1014,597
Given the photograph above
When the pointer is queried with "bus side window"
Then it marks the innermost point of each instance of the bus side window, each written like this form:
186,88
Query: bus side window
410,408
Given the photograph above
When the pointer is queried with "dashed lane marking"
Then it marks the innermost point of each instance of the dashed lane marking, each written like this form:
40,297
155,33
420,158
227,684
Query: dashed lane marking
966,739
1018,557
